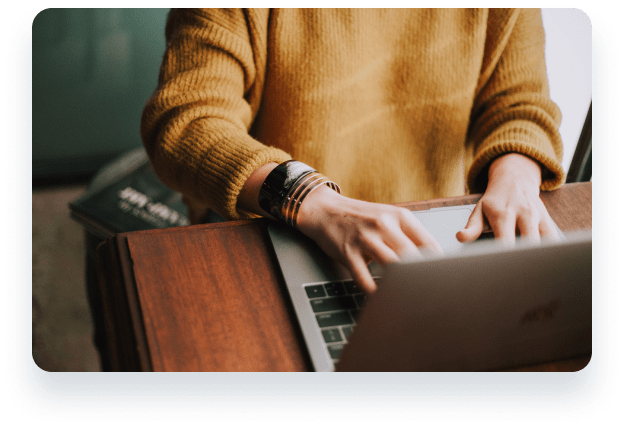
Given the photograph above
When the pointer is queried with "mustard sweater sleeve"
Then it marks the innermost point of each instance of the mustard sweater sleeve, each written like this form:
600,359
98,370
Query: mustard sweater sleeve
512,110
195,126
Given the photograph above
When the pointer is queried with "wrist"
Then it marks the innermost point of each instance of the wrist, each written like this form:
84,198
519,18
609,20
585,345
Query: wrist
316,207
286,187
248,197
518,165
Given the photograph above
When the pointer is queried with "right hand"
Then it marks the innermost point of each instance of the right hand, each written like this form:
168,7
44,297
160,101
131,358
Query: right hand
355,232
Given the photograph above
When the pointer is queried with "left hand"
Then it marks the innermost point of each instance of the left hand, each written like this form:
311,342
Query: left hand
511,203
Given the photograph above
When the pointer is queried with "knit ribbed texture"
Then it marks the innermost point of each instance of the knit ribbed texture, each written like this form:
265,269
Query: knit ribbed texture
393,105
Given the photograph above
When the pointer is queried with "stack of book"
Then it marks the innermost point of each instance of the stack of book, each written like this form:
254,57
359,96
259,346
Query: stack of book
128,196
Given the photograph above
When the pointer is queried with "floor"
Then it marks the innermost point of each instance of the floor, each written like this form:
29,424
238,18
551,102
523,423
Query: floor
61,321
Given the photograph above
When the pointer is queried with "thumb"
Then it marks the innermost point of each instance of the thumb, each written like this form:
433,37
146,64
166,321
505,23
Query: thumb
474,227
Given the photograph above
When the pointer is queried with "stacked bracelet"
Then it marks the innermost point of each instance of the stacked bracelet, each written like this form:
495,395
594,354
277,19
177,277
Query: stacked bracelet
285,188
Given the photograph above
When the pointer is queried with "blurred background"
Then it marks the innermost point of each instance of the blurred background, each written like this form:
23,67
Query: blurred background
92,71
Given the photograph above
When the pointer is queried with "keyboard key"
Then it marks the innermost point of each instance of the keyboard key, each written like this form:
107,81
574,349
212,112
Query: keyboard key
333,304
331,335
347,331
335,289
350,287
355,314
335,350
334,319
315,291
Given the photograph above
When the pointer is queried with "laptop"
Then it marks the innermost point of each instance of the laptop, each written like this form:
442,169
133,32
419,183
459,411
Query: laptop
474,308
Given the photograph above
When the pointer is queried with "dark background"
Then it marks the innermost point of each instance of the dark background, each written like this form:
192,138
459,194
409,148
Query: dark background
92,72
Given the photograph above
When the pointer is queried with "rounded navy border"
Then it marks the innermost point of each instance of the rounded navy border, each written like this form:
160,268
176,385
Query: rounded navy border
49,396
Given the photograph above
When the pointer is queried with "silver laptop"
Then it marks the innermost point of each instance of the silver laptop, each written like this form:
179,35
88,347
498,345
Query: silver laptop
482,282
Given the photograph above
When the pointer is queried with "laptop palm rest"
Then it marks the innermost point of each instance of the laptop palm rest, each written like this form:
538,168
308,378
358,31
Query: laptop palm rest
302,261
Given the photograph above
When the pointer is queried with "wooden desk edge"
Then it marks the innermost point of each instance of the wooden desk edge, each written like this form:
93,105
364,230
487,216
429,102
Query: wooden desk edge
414,206
121,307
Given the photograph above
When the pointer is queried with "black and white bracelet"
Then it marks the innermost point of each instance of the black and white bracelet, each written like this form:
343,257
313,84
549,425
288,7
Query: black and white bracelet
286,187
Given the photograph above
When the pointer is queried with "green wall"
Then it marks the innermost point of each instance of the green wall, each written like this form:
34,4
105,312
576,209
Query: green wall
92,71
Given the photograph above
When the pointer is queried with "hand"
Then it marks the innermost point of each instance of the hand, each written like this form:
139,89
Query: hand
355,232
511,203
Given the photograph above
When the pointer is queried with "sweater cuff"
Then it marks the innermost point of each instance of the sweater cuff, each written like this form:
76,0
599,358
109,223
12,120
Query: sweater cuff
225,171
522,137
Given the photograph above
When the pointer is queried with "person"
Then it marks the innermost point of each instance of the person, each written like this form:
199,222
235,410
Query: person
394,105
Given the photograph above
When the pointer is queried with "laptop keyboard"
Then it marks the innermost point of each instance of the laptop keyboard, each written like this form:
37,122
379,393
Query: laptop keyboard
336,306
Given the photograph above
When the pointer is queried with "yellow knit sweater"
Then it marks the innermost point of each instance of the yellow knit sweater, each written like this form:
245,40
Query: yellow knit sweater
394,105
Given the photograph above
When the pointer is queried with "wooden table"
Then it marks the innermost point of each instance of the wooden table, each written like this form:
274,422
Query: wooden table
211,297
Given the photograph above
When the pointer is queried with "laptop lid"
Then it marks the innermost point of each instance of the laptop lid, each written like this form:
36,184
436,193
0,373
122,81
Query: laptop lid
487,307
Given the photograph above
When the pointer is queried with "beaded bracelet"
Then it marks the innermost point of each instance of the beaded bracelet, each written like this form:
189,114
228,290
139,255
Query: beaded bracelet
285,188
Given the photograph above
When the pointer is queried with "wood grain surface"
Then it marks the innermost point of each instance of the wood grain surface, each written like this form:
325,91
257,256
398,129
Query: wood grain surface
211,300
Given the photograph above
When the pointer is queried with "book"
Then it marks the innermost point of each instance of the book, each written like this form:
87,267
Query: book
126,197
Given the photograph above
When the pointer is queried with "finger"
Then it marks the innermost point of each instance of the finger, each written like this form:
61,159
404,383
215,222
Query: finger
391,247
417,235
547,228
529,228
408,250
504,227
401,244
378,251
474,226
361,275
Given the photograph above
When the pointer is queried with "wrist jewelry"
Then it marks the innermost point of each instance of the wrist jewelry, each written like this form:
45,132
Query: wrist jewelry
285,188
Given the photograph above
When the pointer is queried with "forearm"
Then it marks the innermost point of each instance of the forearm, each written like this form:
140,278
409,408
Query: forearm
249,195
513,111
195,126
